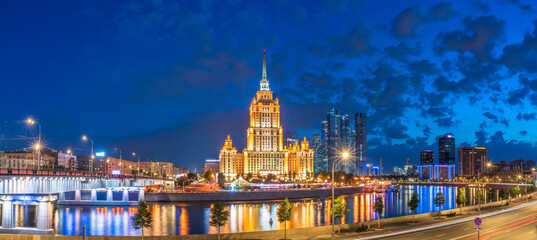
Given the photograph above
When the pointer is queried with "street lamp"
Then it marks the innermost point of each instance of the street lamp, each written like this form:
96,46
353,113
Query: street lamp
37,148
85,138
138,166
119,150
344,156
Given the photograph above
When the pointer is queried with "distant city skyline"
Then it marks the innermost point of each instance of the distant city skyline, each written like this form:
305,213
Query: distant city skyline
171,88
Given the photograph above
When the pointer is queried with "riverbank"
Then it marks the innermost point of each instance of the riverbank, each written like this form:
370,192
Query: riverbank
389,225
229,196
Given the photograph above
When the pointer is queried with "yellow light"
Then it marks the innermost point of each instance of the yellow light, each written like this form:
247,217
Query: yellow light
30,121
133,154
92,156
488,164
84,138
345,155
37,146
69,151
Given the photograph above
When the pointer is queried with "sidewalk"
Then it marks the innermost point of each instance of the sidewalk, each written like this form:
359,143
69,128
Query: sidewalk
403,225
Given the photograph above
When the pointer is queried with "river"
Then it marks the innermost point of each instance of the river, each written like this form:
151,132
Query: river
193,218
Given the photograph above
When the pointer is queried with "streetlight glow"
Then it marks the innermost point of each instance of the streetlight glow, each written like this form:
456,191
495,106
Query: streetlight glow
345,155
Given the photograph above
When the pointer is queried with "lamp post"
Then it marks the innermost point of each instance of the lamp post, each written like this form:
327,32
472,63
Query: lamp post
345,156
37,148
119,150
85,138
138,164
30,121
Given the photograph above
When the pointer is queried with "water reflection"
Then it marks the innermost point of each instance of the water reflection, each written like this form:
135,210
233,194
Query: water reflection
193,218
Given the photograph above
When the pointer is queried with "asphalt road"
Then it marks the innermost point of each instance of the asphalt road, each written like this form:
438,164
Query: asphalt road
520,224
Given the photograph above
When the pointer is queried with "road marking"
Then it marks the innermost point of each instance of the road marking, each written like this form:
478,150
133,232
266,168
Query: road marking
440,235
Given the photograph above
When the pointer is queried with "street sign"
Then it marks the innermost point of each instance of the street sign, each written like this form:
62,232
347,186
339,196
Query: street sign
477,221
477,228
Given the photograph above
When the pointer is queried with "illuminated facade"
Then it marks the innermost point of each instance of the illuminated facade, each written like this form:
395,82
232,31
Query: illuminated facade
265,152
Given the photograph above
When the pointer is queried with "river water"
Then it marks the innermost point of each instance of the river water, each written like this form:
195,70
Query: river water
193,218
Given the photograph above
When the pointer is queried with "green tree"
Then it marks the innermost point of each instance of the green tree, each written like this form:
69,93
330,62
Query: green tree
501,195
339,211
270,177
192,176
490,195
439,201
461,198
183,181
249,177
284,214
221,180
478,197
219,216
510,192
208,175
517,191
142,219
413,204
379,208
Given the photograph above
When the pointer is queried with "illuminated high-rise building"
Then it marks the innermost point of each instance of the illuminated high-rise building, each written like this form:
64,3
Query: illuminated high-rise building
265,152
446,150
426,157
360,144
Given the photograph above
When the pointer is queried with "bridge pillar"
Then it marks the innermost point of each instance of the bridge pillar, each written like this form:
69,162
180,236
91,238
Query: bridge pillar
8,212
43,208
125,195
93,195
109,197
77,195
141,195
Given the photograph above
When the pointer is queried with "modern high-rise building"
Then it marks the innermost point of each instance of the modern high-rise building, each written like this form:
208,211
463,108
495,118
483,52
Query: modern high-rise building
360,144
318,158
446,150
265,152
380,166
472,160
426,157
324,146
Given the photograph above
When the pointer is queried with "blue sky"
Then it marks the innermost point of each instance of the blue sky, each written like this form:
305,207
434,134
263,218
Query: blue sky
171,79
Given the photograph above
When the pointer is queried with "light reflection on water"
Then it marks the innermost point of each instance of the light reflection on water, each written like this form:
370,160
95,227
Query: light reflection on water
193,218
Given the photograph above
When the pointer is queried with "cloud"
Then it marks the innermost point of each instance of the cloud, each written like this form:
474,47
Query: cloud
526,116
403,51
523,133
349,45
522,56
480,37
408,22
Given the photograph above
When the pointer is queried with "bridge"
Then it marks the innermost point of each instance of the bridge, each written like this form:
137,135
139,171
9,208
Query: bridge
41,191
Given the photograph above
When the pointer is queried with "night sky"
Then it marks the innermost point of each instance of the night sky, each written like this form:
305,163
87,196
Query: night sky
171,80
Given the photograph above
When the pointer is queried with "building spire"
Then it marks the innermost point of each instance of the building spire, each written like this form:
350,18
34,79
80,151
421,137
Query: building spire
264,64
264,81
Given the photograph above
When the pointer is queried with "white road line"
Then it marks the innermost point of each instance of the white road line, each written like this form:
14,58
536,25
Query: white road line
439,225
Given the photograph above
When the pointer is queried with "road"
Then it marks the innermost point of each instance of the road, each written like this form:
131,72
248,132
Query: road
519,224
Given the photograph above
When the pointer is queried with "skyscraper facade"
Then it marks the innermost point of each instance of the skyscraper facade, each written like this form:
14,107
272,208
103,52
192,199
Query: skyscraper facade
360,143
426,157
265,152
446,150
472,161
317,153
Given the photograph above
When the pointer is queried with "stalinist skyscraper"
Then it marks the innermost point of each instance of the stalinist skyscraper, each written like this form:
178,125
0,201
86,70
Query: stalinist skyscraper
265,152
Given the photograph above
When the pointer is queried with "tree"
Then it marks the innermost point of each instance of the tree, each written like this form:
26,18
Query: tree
284,214
192,176
490,195
270,177
340,209
478,197
501,195
208,175
219,216
221,180
413,204
249,177
379,208
439,201
142,219
516,191
510,192
183,181
461,198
